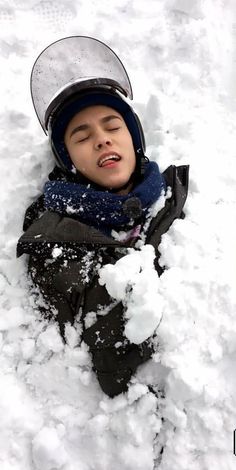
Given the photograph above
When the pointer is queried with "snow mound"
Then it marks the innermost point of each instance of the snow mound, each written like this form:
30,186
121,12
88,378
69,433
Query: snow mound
47,449
134,281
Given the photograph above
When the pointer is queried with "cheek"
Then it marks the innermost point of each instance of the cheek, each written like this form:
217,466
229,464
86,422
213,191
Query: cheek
83,163
77,157
80,165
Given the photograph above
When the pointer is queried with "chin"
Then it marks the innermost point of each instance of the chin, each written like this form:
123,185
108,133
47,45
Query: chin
117,183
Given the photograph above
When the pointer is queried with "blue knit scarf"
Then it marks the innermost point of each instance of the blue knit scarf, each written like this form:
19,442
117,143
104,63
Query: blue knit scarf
103,209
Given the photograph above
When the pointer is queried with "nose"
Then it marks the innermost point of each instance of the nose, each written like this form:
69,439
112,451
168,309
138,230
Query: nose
102,139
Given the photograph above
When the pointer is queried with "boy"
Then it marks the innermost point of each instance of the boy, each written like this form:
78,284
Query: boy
103,184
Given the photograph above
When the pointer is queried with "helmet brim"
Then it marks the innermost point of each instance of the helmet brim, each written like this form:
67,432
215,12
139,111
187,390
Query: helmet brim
71,63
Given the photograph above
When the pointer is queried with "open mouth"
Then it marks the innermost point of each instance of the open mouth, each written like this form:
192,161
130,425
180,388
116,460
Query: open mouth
108,160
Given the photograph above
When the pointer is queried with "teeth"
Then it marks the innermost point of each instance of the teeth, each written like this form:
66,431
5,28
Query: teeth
109,157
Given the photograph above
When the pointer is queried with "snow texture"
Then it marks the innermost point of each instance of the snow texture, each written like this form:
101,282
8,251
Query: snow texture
180,56
134,281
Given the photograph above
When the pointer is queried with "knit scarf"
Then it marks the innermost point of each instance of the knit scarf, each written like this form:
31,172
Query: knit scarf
102,209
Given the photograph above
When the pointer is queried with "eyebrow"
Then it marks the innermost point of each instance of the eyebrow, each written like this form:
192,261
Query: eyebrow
84,127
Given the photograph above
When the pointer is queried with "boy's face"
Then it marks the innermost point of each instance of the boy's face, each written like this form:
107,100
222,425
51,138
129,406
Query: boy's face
101,147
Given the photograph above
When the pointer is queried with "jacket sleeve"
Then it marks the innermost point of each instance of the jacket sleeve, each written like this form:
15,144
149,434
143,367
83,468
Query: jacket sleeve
54,282
115,359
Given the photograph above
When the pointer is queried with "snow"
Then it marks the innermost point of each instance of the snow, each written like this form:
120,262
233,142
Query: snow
134,281
48,451
180,56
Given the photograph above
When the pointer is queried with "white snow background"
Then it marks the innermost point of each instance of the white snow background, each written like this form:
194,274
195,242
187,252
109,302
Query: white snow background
180,55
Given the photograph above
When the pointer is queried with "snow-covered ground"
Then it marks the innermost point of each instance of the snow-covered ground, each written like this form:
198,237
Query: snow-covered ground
180,55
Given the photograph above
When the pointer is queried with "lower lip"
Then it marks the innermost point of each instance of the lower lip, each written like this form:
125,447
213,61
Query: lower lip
111,164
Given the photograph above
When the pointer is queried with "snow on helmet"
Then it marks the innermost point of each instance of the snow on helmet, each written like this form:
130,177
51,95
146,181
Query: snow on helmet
73,73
